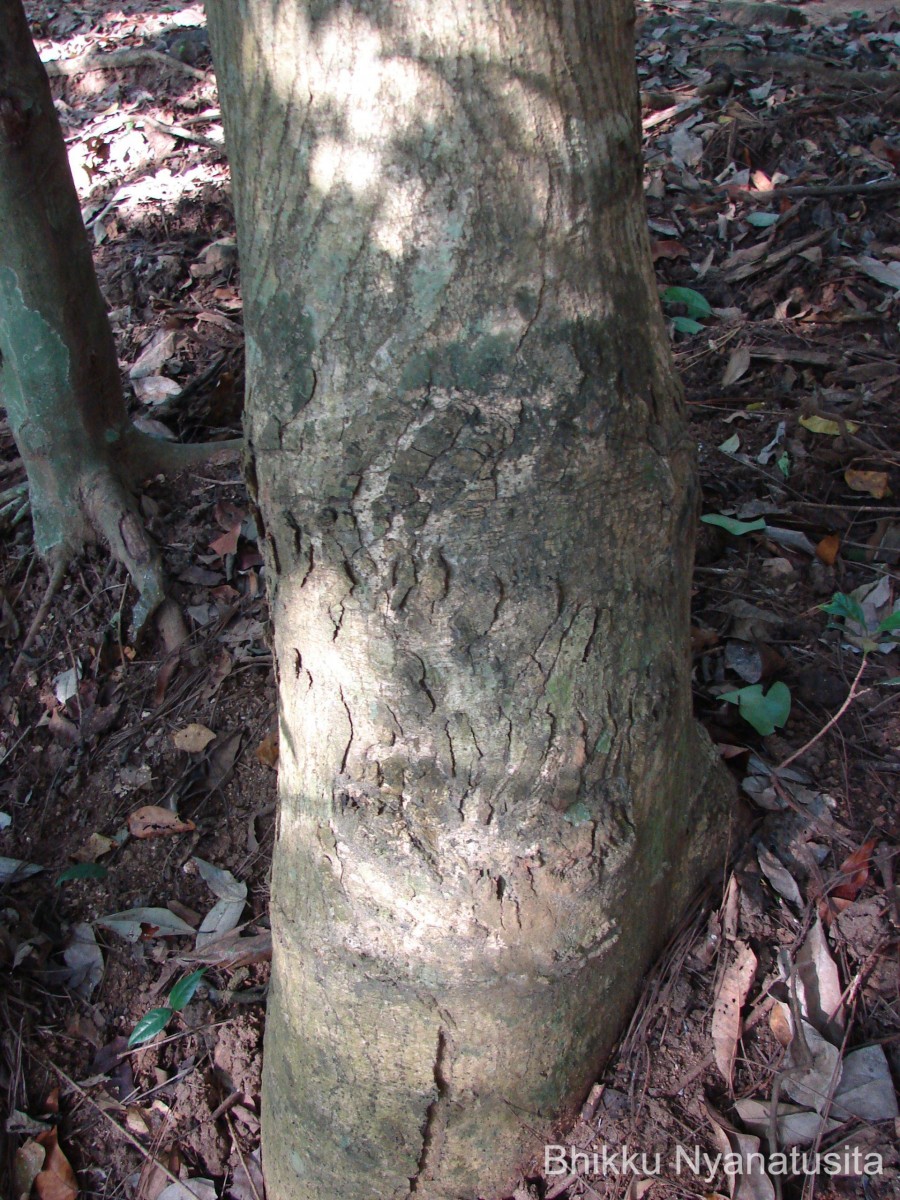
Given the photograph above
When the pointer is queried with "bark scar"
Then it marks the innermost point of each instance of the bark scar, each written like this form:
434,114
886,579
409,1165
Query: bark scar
435,1127
350,738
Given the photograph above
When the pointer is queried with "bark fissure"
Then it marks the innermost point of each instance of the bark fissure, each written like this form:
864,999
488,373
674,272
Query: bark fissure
436,1116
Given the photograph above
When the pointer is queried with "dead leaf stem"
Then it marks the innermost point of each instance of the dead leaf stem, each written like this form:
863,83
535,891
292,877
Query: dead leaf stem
852,695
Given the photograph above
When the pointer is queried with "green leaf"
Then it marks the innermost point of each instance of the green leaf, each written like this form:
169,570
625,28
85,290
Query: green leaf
848,607
731,445
150,1025
762,220
183,991
889,624
732,525
764,712
686,325
82,871
784,464
696,305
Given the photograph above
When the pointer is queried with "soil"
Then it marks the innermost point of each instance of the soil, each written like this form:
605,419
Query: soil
787,339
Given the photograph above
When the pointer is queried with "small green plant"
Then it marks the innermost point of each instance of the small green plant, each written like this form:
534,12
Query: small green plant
856,623
767,711
154,1021
697,306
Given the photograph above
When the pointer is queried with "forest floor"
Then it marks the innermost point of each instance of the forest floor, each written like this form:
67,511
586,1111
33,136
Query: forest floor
138,784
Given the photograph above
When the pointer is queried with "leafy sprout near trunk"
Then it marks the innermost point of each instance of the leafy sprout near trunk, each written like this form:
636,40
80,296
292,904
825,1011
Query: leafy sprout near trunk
865,633
767,711
697,308
155,1021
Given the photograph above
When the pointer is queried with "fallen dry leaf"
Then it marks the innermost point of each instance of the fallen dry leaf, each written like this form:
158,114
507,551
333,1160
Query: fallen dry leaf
173,633
825,425
227,543
726,1019
666,248
819,986
854,872
27,1163
811,1076
779,876
193,738
731,909
780,1024
152,820
873,482
95,847
153,1179
233,950
56,1181
750,1181
267,750
738,365
828,548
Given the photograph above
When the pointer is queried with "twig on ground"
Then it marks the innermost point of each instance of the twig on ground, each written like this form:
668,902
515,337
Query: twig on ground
177,131
880,187
851,696
669,114
57,574
129,1137
112,60
236,1144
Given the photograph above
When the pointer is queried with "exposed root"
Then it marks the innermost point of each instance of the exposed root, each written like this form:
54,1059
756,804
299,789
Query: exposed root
14,506
151,456
115,60
114,516
57,575
108,511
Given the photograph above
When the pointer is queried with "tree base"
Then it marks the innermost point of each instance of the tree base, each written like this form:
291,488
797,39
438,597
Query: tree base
72,506
438,1076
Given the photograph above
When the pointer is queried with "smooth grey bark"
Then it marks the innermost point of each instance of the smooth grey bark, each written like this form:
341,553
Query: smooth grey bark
479,500
59,376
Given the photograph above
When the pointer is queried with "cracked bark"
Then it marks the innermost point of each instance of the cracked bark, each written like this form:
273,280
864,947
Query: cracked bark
462,408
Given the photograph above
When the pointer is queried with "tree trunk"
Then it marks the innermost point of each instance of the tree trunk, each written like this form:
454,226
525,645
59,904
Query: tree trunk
479,502
59,376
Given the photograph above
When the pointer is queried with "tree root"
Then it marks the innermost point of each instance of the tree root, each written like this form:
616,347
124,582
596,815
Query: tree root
116,59
57,575
151,456
105,500
14,506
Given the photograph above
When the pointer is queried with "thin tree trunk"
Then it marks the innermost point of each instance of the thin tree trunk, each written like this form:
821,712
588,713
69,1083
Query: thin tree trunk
59,376
479,502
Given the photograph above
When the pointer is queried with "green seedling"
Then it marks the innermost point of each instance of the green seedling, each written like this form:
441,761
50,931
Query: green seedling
765,712
155,1021
697,306
849,609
